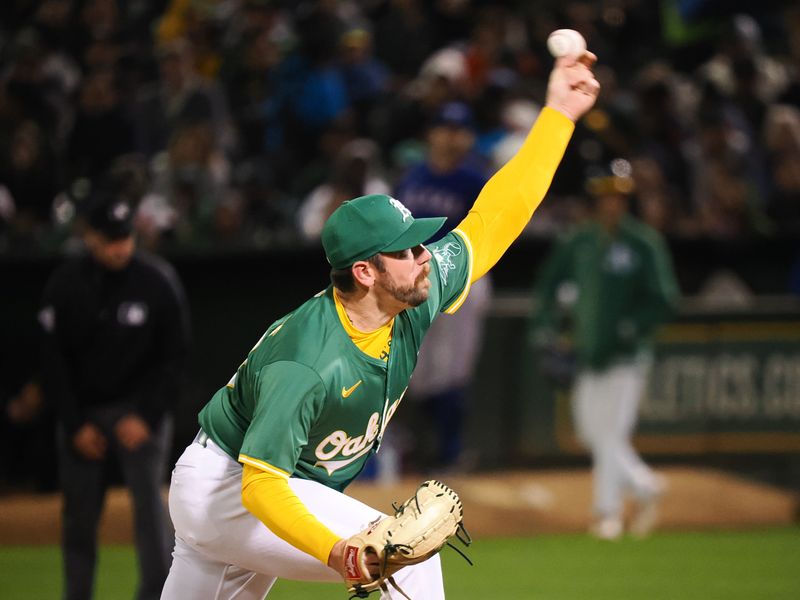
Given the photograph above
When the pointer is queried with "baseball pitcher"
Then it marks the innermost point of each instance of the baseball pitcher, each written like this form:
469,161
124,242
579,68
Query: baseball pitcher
258,495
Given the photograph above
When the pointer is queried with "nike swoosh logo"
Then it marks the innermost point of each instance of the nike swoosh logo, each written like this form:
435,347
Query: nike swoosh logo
350,390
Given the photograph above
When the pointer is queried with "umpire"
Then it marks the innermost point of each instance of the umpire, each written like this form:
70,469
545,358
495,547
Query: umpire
115,327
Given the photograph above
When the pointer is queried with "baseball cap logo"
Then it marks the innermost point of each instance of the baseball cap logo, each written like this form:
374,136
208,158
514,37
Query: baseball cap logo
119,211
366,225
401,208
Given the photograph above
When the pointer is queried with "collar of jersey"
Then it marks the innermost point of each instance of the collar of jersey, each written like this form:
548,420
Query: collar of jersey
369,342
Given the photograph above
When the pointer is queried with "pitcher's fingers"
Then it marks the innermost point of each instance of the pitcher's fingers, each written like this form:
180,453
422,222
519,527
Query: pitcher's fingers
566,61
587,58
578,76
590,86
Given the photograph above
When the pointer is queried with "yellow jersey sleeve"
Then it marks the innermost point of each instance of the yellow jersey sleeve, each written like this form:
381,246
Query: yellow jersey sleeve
509,198
266,494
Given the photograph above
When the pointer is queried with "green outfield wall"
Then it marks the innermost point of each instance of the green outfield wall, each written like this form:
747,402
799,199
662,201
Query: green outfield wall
723,382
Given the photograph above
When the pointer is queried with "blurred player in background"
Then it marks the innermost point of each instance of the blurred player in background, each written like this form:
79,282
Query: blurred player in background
115,336
611,281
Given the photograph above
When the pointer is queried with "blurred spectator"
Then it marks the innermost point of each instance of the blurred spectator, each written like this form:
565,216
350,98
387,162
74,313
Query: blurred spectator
490,105
741,58
322,96
317,170
451,176
452,19
366,79
725,193
610,284
303,79
201,24
405,117
663,127
446,184
190,184
309,94
654,199
35,85
488,51
355,173
55,21
250,72
266,215
101,131
517,117
401,21
100,33
28,183
613,120
744,112
180,97
115,336
782,144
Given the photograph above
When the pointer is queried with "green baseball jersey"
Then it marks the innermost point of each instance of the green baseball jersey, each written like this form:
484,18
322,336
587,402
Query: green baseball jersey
308,401
614,289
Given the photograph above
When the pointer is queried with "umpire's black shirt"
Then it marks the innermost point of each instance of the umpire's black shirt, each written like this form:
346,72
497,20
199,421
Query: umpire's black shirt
113,337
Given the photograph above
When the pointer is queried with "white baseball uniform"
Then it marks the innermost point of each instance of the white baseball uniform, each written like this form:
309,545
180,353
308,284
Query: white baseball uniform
205,501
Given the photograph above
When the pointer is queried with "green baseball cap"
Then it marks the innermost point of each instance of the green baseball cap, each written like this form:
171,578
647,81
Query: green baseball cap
364,226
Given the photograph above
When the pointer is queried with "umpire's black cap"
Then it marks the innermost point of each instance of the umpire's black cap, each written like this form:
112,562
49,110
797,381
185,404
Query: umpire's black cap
110,214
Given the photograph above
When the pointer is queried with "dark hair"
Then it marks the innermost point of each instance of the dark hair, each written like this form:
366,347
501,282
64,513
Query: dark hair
343,280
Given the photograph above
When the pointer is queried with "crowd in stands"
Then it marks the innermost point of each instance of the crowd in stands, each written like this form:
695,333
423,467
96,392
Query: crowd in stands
243,123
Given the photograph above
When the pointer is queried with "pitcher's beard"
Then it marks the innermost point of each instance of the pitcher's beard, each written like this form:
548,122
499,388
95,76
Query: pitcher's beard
413,295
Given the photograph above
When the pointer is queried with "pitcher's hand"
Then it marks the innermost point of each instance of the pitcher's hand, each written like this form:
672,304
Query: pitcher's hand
572,89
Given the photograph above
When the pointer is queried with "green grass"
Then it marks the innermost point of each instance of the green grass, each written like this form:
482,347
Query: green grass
704,566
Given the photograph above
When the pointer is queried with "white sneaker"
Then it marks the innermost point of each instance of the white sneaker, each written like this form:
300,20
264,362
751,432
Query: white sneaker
607,528
645,517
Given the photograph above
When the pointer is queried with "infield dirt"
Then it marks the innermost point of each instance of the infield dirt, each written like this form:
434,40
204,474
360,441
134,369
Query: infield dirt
514,503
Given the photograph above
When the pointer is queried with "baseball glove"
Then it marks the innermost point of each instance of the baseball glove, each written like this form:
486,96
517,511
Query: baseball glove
420,527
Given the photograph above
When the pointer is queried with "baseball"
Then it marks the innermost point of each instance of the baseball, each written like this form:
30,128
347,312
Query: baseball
566,42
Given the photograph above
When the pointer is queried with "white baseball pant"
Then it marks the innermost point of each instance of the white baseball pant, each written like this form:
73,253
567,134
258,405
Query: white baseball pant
605,409
223,552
